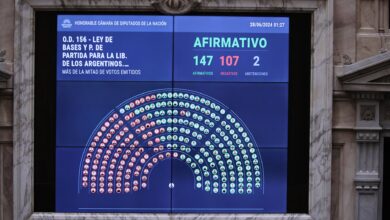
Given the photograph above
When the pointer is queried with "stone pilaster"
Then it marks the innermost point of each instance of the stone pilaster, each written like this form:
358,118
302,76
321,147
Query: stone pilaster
367,177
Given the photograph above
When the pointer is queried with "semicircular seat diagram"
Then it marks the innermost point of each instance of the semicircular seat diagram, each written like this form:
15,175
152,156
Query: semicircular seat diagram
171,124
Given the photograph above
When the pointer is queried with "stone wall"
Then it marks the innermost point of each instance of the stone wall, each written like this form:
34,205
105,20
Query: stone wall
361,30
7,21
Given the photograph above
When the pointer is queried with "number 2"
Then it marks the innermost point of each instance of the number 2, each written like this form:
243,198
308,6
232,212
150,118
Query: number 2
257,60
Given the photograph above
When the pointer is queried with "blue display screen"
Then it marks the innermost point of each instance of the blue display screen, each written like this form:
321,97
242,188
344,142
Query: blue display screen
172,114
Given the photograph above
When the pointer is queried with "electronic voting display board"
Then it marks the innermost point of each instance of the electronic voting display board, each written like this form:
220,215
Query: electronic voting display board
172,114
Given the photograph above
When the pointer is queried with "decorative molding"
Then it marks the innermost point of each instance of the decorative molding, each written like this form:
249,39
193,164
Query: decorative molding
367,136
367,185
176,6
368,95
384,79
370,74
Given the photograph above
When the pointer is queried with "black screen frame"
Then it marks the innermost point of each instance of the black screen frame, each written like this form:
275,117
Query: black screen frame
45,105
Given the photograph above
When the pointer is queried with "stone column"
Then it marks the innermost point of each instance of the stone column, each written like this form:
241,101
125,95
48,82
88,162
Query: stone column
367,178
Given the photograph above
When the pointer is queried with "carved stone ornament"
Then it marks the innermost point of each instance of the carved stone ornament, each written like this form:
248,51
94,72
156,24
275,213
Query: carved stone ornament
367,112
2,54
5,72
387,112
175,6
367,136
367,185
